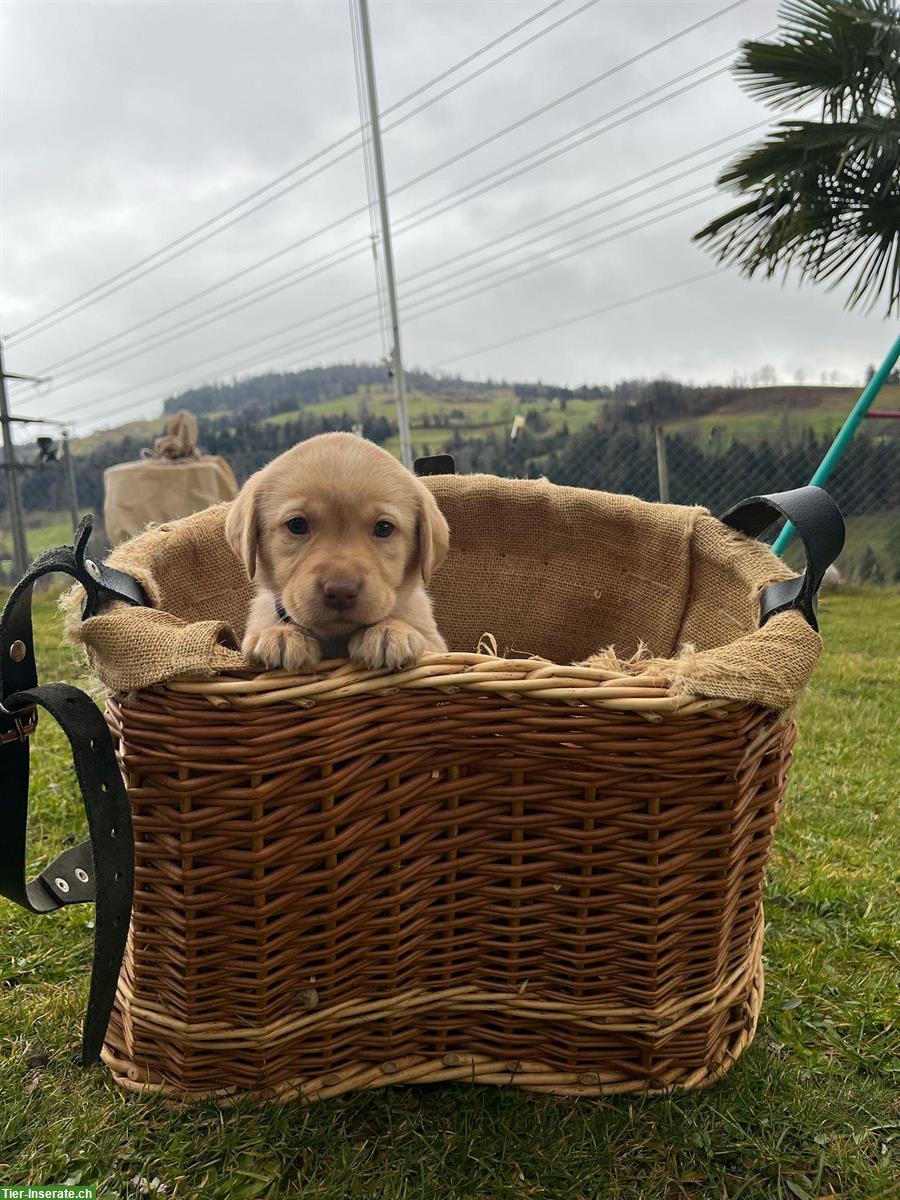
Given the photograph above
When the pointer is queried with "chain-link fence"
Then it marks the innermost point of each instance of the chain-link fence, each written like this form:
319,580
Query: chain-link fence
708,466
48,504
591,438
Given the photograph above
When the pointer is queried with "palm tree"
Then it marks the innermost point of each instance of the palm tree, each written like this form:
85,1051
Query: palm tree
822,196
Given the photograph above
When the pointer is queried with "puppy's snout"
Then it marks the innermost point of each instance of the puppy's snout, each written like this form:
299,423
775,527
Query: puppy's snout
339,593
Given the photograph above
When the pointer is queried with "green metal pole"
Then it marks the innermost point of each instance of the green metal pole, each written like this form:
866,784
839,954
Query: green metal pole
847,430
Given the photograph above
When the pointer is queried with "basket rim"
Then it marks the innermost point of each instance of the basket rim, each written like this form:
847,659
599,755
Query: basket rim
536,678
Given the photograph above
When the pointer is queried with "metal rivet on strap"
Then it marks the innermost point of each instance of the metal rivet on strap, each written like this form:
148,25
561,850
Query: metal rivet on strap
81,874
61,884
17,651
92,569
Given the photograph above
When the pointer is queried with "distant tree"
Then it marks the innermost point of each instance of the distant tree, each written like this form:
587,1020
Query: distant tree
536,421
822,196
870,568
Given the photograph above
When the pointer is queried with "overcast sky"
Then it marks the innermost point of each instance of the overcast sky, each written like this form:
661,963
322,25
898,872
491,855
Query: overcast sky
126,125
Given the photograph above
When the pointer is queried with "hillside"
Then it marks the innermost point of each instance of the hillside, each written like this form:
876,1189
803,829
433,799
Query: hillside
447,408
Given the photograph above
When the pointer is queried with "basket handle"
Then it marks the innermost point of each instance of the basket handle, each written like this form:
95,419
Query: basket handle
820,527
435,464
102,868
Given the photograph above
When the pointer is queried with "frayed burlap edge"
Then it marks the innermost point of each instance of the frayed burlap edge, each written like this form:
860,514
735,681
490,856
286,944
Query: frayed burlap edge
129,648
770,666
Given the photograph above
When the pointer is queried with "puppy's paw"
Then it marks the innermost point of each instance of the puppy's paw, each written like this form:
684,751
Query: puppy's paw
282,646
387,645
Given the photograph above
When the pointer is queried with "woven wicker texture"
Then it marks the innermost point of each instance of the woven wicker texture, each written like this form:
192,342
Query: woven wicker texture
454,873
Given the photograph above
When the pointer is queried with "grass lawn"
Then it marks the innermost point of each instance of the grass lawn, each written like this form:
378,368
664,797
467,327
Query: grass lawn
809,1111
42,531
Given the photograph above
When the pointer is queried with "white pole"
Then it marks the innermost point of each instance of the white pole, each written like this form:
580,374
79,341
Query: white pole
662,465
396,360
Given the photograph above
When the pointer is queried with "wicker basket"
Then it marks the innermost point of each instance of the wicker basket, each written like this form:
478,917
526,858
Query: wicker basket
464,875
489,868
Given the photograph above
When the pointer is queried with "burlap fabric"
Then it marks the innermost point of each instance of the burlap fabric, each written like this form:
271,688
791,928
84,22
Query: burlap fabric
564,573
180,438
175,483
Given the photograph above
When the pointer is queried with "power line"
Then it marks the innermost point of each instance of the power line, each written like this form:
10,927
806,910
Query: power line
576,246
509,171
21,332
430,172
601,310
163,337
134,351
168,336
45,320
90,298
580,204
555,149
602,77
464,62
350,326
515,271
345,252
584,316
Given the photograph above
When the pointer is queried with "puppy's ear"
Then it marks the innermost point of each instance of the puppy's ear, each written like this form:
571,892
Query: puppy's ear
434,534
242,525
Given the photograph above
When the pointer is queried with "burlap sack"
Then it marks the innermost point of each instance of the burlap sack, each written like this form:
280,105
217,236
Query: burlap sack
177,482
564,573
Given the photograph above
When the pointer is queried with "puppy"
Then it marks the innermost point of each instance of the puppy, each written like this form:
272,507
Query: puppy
341,540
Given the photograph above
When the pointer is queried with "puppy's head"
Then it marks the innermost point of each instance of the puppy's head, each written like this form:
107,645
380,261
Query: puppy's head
336,528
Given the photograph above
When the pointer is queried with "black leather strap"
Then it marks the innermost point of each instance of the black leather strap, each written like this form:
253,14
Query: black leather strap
820,527
99,870
435,464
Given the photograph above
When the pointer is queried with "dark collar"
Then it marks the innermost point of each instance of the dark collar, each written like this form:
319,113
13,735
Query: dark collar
287,619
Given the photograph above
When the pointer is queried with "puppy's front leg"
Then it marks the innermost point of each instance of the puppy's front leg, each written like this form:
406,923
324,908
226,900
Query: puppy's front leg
271,643
390,643
282,646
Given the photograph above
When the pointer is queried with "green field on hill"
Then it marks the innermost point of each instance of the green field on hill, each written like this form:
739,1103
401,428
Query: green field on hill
782,413
751,414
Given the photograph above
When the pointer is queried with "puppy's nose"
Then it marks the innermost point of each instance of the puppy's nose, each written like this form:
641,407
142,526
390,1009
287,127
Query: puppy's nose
340,593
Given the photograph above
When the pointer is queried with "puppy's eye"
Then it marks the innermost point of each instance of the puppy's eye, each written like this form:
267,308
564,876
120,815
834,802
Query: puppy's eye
298,525
383,529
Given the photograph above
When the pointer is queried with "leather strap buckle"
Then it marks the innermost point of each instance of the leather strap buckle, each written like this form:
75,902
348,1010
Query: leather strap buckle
25,724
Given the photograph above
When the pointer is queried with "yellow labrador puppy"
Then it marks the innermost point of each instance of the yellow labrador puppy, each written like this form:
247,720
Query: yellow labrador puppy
341,540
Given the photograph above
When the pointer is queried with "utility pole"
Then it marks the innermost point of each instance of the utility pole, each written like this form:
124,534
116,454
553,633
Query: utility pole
662,466
14,503
71,486
396,359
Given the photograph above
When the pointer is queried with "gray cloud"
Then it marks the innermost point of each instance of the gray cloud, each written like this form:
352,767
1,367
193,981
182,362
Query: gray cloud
124,124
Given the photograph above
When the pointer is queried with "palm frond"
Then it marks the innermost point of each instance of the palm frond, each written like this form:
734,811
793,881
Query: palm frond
842,52
822,196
